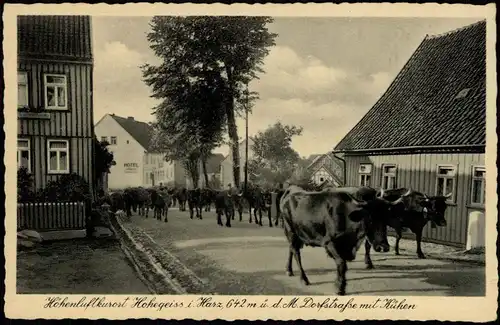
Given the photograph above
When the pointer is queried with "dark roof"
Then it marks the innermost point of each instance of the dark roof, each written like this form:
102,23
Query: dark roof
140,131
309,160
213,163
420,107
55,37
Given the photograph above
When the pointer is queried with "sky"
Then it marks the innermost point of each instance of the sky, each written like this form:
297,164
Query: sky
323,74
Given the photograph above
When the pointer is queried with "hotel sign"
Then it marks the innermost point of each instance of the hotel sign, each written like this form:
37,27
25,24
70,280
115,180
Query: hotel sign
131,168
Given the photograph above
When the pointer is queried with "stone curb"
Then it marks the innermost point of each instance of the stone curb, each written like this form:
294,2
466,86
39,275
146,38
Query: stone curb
156,264
152,275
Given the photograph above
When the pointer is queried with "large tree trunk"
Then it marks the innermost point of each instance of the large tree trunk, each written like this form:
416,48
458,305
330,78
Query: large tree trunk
204,167
192,169
232,129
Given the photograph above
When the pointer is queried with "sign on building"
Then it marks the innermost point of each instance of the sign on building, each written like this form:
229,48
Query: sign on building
131,168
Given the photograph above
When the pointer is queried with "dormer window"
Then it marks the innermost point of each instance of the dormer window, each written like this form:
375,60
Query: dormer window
463,93
56,90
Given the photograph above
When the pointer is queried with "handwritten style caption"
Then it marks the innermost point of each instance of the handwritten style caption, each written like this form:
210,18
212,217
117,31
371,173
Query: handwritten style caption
161,304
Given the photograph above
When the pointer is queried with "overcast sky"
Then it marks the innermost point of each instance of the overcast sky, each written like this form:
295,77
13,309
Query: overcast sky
323,74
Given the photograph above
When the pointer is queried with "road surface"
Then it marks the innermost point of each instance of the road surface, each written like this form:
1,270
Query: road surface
249,259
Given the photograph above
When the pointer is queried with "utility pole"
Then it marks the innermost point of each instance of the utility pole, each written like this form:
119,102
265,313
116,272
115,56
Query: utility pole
246,141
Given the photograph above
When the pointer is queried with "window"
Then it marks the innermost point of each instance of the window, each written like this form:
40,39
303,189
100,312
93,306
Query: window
128,142
478,194
58,156
22,89
389,177
321,179
56,88
113,140
445,184
23,154
365,171
104,139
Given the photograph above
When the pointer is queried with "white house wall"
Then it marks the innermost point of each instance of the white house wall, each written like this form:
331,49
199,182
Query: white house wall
128,156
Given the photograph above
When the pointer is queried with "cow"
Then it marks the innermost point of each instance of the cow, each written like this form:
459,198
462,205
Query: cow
181,198
379,207
117,201
130,197
334,220
224,204
207,198
419,210
237,202
194,203
279,194
160,202
143,200
256,199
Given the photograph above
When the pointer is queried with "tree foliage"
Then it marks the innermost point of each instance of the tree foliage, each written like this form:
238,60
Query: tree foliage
274,160
213,57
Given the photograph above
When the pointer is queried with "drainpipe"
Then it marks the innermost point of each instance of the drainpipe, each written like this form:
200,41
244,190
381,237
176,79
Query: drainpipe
344,169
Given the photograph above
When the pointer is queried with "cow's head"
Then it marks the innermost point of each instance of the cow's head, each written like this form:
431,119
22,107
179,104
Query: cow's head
435,207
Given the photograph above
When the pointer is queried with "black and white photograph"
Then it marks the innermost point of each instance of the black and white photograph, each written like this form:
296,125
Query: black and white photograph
164,155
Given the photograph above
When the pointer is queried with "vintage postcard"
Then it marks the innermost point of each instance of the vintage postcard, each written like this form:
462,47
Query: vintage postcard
284,162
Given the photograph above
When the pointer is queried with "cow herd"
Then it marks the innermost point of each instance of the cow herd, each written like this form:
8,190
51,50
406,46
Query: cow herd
337,219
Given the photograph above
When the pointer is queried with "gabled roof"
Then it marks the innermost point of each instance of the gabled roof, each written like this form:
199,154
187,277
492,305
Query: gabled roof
55,37
313,158
140,131
329,164
421,107
213,163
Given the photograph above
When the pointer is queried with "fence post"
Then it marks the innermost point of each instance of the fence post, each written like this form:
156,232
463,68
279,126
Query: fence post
476,230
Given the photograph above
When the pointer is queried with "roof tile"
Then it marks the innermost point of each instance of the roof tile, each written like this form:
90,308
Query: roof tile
140,131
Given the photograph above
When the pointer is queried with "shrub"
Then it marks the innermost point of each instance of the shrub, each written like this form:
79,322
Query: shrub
25,192
68,188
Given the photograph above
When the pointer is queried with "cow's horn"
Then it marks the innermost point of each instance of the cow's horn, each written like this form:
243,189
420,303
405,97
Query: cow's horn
397,201
448,195
381,194
358,202
407,193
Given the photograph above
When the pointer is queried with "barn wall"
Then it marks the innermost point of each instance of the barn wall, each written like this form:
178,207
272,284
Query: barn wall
419,171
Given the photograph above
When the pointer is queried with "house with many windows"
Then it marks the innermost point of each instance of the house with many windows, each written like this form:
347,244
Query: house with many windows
137,164
428,130
55,110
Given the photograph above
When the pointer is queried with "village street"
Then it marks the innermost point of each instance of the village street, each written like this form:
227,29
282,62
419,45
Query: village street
249,259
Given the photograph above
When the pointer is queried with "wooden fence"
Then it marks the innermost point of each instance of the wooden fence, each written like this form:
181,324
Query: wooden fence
51,216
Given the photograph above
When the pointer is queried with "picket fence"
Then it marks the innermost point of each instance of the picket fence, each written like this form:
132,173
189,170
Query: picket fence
51,216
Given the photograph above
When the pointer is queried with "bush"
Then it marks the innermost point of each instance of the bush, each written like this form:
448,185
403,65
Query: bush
25,192
68,188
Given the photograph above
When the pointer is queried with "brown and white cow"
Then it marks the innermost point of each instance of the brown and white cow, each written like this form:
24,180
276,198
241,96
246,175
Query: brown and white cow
331,219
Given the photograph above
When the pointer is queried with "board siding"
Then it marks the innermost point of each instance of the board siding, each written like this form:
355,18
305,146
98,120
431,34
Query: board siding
418,171
74,125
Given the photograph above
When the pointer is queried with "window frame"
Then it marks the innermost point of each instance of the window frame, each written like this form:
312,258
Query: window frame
393,175
29,153
27,89
55,172
47,84
361,174
452,199
104,139
111,140
483,192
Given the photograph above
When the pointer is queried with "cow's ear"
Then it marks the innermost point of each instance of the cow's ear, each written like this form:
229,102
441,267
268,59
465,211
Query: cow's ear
357,215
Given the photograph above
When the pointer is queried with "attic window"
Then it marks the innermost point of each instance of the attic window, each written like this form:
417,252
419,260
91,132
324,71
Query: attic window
462,93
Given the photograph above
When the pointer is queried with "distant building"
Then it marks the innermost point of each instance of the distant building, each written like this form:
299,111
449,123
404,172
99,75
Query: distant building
227,175
55,107
326,170
136,163
428,130
213,172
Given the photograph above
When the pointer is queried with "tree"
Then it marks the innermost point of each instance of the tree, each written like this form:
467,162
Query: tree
103,160
274,159
226,51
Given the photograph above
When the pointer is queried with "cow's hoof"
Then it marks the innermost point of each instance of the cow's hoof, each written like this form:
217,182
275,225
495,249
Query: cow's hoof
369,266
421,256
396,253
341,293
289,273
305,281
228,225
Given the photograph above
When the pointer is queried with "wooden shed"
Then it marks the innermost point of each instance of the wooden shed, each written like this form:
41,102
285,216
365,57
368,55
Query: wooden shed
55,109
428,130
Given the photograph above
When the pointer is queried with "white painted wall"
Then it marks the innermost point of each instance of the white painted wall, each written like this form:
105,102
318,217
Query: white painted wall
227,164
126,151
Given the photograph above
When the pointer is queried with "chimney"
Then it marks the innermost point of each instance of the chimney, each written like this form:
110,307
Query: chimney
131,118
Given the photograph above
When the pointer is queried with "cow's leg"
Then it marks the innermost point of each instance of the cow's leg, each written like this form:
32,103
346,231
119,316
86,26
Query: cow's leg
289,268
200,208
260,216
269,217
240,211
418,237
368,260
191,212
228,213
219,216
298,260
399,234
166,213
341,279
